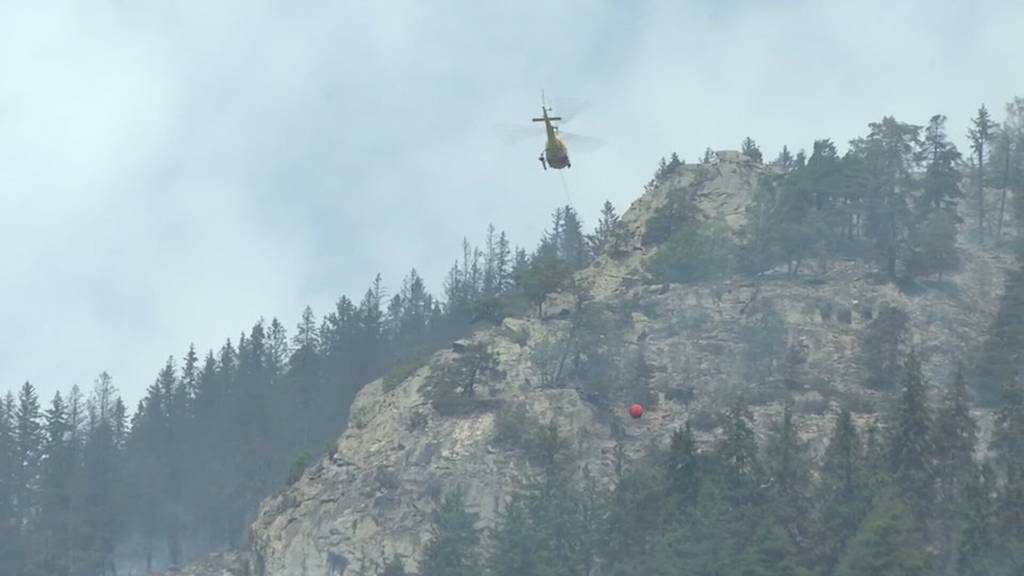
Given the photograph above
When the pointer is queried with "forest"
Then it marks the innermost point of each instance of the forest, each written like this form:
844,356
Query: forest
88,485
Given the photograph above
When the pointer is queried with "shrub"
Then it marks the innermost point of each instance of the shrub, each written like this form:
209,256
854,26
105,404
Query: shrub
701,251
403,371
299,467
512,425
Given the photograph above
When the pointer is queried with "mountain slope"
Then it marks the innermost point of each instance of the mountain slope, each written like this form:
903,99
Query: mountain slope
408,445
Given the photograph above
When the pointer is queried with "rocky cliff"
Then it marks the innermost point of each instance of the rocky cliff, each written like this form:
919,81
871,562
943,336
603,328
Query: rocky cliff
704,343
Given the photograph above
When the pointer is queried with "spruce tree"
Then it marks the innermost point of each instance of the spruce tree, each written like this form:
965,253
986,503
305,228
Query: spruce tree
890,152
750,150
980,134
28,445
607,231
910,442
56,477
9,525
955,439
978,542
888,543
785,457
941,182
1008,442
842,497
682,473
737,450
452,547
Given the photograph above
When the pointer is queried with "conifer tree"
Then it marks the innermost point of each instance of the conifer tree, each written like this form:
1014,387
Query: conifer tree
9,525
28,444
682,474
941,183
56,477
750,150
608,228
887,544
889,152
737,449
910,442
977,545
454,536
1008,442
955,439
788,474
842,494
784,160
980,134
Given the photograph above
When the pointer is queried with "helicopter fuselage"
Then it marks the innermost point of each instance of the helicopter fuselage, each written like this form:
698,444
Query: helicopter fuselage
555,152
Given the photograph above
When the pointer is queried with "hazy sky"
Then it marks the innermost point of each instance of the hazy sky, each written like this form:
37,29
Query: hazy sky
170,172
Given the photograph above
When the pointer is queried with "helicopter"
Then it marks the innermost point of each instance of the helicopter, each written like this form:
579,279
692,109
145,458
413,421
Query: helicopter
555,153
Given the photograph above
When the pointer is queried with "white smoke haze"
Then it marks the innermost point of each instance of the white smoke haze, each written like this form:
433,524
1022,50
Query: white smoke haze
170,172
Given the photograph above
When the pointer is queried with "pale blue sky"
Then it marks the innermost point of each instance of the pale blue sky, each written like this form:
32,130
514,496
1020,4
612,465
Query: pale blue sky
171,171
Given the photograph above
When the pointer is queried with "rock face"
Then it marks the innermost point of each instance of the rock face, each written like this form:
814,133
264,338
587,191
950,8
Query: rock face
374,495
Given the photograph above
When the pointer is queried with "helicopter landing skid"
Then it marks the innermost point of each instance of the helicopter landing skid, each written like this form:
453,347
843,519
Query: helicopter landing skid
543,162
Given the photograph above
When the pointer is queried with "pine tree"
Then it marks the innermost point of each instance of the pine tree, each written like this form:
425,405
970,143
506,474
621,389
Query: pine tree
503,264
980,135
10,548
1007,159
56,477
28,445
886,544
977,540
737,450
941,184
784,160
910,443
454,536
842,494
955,439
750,150
889,153
788,474
1008,442
608,230
682,472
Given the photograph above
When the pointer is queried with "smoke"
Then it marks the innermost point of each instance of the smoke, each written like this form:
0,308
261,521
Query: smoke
170,172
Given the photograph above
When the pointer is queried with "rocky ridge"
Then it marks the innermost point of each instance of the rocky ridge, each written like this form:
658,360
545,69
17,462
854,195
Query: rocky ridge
373,496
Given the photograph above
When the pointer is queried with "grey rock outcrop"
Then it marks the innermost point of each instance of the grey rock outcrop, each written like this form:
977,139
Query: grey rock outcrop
373,496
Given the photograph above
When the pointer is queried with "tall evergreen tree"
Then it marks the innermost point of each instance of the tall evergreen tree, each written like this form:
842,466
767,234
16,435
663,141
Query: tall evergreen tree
10,548
28,452
941,183
980,134
682,473
750,150
737,449
842,497
57,474
888,155
454,536
608,229
1008,442
910,442
886,544
788,469
955,440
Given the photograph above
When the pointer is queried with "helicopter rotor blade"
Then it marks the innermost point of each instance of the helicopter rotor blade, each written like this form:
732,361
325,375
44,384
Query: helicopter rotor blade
580,143
569,108
515,133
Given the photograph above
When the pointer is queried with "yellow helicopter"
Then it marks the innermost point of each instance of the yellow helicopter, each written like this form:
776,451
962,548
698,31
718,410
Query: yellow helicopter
555,153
